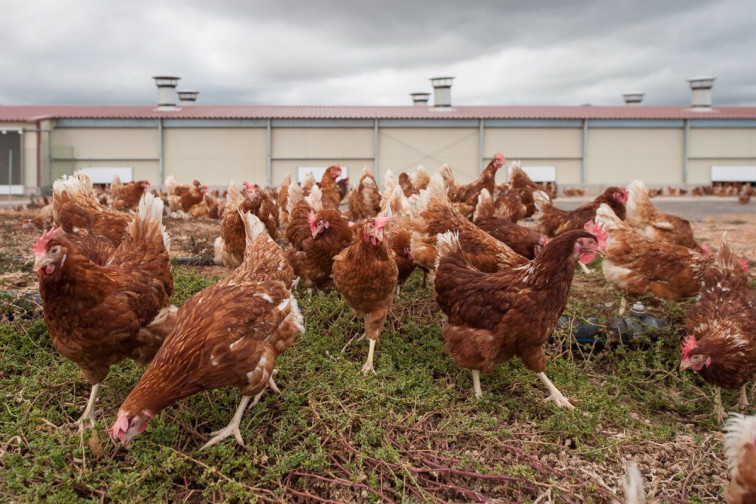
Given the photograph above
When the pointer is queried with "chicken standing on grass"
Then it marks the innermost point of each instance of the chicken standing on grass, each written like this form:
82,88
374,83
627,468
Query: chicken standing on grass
721,344
365,273
228,334
104,304
491,317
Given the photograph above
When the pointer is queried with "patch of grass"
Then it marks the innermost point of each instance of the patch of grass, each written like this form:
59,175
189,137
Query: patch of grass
411,432
187,282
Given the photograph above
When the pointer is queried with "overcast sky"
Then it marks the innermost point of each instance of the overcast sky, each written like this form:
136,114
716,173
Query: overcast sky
354,52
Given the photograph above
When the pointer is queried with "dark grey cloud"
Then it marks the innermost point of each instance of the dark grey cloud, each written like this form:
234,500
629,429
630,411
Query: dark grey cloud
363,53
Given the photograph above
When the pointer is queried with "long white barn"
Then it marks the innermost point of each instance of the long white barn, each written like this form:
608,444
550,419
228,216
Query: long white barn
592,146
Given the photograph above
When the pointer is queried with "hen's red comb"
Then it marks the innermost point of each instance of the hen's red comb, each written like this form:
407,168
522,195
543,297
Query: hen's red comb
705,249
597,230
250,187
743,264
312,218
39,246
500,157
380,222
689,344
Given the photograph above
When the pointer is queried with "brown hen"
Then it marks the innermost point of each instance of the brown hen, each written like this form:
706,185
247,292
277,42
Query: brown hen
365,199
647,220
101,308
551,221
525,241
365,273
721,342
126,196
492,317
329,187
640,265
433,214
316,235
227,335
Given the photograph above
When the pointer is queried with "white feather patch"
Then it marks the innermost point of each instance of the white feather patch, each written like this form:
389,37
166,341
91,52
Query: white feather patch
739,430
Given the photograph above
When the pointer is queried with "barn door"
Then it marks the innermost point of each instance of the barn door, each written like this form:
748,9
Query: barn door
10,162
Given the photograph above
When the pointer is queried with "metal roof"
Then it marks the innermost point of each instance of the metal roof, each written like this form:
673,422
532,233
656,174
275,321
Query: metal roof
33,113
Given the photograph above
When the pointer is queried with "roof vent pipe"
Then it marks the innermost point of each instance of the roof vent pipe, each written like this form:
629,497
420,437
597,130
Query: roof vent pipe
442,91
633,98
700,92
187,97
166,91
420,99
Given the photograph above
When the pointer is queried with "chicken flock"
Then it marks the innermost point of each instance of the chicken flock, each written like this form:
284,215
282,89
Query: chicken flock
501,285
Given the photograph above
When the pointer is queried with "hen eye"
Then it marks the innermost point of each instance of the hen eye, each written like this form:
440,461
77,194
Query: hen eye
55,249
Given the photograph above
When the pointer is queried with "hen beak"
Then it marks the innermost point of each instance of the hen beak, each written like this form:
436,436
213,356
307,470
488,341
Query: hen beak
41,262
685,364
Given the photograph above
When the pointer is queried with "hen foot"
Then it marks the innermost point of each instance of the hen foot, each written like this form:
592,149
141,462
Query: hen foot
233,427
554,394
369,363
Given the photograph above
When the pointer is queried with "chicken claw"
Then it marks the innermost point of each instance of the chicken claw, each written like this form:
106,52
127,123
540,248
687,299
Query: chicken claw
555,396
560,401
369,363
233,426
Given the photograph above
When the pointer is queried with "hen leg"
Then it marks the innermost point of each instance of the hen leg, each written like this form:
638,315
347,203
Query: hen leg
476,383
743,399
89,411
362,336
272,384
369,363
584,268
373,325
718,408
623,306
555,395
233,427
